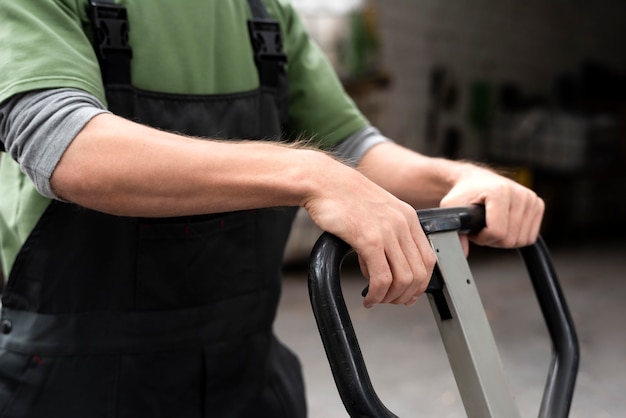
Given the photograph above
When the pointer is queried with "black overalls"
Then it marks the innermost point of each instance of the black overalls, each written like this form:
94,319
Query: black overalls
107,316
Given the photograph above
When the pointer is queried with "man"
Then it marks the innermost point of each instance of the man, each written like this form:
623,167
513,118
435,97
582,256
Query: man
142,243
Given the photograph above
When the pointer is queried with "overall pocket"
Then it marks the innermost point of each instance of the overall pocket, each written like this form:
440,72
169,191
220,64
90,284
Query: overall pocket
184,263
71,387
13,368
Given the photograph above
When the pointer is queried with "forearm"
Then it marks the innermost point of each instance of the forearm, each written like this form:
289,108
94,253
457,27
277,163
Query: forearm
417,179
514,212
117,166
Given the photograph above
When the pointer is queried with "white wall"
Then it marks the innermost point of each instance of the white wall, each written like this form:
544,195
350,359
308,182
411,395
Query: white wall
527,42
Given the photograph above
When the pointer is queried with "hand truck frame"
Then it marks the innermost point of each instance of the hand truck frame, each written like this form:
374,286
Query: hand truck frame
461,319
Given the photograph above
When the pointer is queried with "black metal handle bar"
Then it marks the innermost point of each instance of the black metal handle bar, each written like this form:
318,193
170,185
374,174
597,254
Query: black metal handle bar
342,347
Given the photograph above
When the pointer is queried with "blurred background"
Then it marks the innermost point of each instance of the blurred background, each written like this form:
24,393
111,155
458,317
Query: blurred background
535,89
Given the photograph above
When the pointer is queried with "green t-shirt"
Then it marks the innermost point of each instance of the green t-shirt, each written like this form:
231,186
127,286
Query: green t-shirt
185,47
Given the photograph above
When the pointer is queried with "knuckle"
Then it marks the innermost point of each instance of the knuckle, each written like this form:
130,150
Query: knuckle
423,286
367,236
541,206
500,232
429,259
502,187
400,283
384,281
509,242
369,239
405,279
512,240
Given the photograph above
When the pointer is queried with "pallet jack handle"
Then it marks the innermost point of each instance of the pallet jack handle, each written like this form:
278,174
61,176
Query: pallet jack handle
341,344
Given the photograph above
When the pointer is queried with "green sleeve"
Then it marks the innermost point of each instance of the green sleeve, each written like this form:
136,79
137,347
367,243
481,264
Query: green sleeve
318,105
44,46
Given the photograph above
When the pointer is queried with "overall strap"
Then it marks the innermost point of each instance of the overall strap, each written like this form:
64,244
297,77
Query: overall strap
269,57
258,9
267,43
110,29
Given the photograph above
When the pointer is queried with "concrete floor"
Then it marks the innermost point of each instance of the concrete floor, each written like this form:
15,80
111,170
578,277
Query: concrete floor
406,359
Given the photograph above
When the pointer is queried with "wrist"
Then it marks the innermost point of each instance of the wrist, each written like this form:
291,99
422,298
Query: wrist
314,174
456,171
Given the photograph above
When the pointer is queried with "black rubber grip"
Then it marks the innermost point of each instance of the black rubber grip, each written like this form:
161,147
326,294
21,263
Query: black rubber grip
341,344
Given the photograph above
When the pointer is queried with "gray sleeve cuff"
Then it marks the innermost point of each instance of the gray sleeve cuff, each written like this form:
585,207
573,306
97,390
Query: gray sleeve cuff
38,126
352,149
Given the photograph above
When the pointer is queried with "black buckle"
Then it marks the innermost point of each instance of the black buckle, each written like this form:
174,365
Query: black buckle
269,57
110,28
267,40
110,40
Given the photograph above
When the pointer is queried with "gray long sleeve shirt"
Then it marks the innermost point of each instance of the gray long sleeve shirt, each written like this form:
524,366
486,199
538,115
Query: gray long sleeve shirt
37,127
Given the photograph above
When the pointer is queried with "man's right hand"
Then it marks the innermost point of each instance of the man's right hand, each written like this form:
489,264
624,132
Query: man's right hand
393,251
